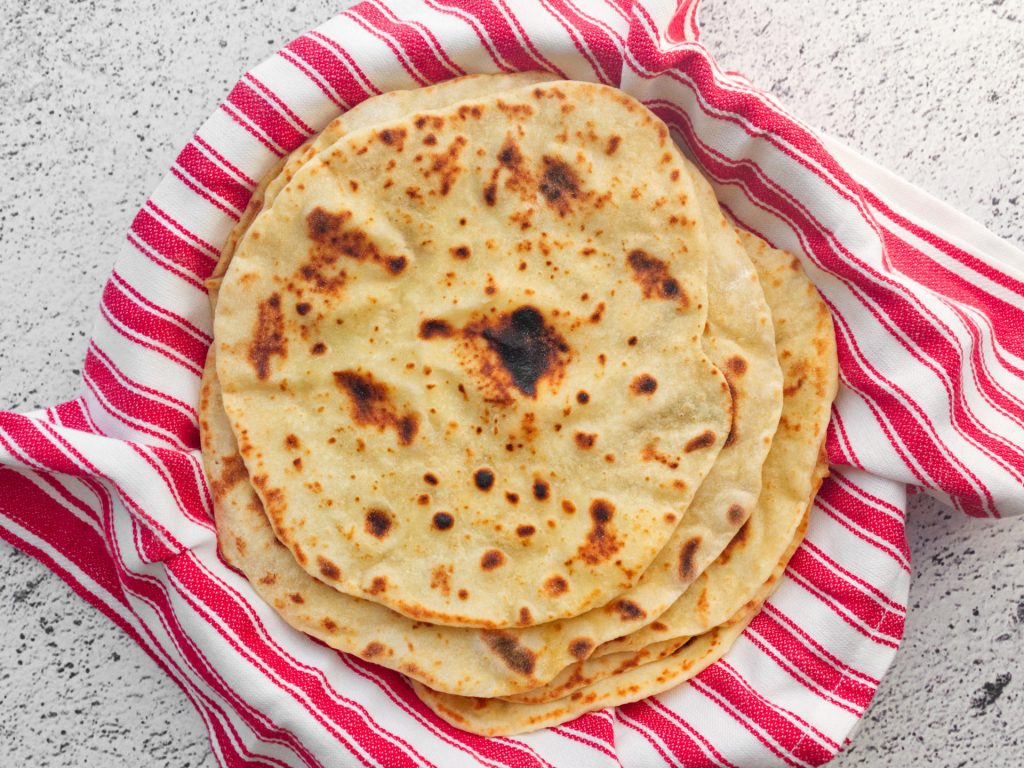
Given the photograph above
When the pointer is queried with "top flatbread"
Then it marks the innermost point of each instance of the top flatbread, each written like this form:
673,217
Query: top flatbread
383,108
394,324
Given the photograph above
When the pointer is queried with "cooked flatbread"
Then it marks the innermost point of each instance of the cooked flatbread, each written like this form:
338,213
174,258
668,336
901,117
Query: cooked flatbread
733,588
807,351
792,474
742,344
380,109
449,418
497,717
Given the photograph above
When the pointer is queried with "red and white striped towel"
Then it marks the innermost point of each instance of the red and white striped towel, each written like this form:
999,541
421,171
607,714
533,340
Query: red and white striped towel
108,489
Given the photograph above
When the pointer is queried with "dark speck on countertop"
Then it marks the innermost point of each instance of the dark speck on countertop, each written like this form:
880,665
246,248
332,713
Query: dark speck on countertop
990,693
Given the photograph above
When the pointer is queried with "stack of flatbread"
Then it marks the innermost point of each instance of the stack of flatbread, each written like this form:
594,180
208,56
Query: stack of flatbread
500,400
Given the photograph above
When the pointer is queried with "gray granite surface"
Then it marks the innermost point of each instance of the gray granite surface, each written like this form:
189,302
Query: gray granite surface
98,96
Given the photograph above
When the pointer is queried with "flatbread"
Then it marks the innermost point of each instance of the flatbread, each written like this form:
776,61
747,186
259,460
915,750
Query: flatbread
454,659
379,109
497,717
733,588
742,345
807,350
345,405
740,318
724,502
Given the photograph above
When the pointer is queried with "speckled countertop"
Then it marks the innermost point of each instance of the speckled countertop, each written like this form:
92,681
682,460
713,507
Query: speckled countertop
98,97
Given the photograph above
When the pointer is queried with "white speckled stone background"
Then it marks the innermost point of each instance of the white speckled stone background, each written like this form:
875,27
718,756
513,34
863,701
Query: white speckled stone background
98,97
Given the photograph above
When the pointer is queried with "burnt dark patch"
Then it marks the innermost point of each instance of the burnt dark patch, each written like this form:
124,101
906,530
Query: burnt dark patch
321,224
492,559
471,110
654,278
461,252
332,240
516,657
582,397
435,121
518,178
318,349
601,511
560,184
491,194
435,328
527,347
525,617
393,137
628,610
612,145
736,365
430,478
511,498
688,559
442,520
791,389
408,426
601,542
445,165
373,650
291,441
735,542
541,490
525,531
584,440
370,405
704,440
581,647
651,454
644,384
303,307
483,479
378,523
733,395
328,569
515,111
509,155
232,472
555,586
736,514
378,585
295,597
268,339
